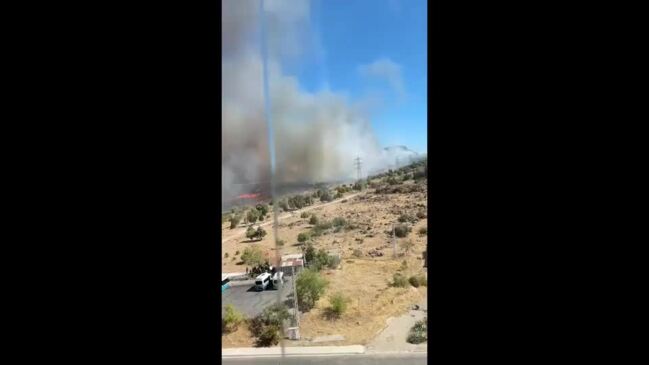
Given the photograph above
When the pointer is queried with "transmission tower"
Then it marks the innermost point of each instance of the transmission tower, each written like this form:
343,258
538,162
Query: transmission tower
358,163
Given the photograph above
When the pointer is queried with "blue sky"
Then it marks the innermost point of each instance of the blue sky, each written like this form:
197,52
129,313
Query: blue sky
374,48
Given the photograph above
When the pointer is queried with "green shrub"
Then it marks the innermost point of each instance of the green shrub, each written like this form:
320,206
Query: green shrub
419,332
399,281
338,305
310,286
406,218
334,261
234,221
325,196
263,208
401,230
320,260
251,233
302,237
339,222
392,181
232,319
252,256
280,243
253,215
313,220
226,255
359,185
423,231
266,326
304,215
414,281
269,336
309,253
421,214
260,233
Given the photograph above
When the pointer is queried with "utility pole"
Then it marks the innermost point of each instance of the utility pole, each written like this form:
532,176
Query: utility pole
394,242
357,163
297,311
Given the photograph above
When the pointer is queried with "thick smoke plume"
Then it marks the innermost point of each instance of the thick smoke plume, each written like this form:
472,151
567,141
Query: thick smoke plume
317,135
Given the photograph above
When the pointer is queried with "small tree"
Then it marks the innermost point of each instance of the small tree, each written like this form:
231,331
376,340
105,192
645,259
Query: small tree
313,220
309,253
401,230
250,232
302,237
310,286
234,221
252,256
262,208
321,259
260,233
407,246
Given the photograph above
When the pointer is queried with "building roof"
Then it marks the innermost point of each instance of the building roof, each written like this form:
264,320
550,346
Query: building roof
292,262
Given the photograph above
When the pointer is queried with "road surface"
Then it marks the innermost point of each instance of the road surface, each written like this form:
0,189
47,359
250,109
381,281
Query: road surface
251,302
241,231
378,359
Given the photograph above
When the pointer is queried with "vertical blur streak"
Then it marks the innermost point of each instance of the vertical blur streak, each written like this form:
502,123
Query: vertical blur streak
271,147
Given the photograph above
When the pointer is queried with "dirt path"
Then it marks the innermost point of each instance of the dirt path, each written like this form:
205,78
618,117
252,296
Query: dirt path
241,231
393,337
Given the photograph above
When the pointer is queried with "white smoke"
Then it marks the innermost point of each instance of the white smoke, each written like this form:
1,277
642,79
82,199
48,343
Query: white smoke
317,135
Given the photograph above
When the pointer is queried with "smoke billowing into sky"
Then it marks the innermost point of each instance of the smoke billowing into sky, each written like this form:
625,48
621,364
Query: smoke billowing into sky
317,135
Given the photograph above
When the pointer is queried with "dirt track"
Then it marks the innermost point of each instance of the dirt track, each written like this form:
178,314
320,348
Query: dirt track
242,231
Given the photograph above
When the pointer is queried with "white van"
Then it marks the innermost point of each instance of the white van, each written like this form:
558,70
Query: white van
278,279
262,281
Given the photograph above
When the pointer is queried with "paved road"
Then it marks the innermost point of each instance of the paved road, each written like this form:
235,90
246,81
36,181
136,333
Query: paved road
378,359
251,302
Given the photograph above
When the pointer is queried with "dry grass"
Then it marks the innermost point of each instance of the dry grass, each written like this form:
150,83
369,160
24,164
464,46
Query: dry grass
364,280
242,337
372,302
